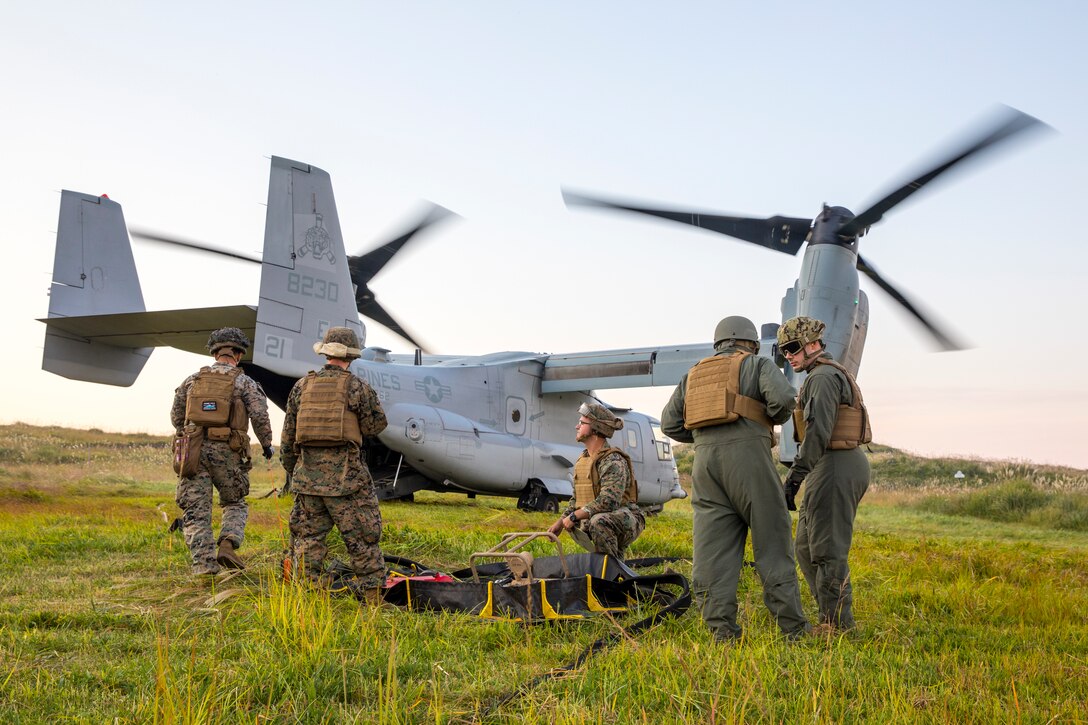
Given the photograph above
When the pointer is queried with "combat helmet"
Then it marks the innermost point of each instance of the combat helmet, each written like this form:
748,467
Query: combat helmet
800,329
227,337
602,421
339,342
735,328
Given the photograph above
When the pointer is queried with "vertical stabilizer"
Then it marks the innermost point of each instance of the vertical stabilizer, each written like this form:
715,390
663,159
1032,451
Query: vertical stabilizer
93,274
305,281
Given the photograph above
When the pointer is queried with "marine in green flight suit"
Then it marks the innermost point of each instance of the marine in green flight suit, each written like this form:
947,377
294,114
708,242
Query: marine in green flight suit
832,466
735,486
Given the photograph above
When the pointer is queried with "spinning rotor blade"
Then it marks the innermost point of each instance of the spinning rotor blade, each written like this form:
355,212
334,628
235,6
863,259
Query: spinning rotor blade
362,268
1015,123
779,233
373,310
945,341
366,266
154,237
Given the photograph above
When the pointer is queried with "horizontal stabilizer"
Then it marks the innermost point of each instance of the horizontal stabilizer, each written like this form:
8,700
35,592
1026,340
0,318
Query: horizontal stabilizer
186,330
628,368
80,359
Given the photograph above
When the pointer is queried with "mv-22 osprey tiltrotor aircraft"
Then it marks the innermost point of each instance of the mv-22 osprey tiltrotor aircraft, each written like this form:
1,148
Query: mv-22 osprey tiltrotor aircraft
499,424
827,286
496,424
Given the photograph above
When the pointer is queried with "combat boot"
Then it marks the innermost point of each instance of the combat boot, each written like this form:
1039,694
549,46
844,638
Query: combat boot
335,584
209,568
227,557
727,637
373,597
799,634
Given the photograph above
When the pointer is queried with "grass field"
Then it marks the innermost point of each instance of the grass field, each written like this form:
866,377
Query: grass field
971,594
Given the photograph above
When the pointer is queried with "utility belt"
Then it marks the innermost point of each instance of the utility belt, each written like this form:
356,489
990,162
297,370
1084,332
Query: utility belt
237,439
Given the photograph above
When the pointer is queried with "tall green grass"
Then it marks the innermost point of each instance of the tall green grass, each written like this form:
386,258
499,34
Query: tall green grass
963,619
1016,501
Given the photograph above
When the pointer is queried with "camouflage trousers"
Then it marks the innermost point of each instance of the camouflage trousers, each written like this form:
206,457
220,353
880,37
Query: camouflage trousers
610,533
223,470
359,520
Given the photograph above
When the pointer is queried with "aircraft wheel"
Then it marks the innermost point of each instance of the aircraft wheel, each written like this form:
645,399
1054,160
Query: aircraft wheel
548,503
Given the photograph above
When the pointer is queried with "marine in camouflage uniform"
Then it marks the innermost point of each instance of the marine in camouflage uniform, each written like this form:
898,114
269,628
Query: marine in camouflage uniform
835,480
331,483
735,486
612,520
221,467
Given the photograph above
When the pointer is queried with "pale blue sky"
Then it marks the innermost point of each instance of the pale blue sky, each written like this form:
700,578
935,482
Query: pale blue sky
487,108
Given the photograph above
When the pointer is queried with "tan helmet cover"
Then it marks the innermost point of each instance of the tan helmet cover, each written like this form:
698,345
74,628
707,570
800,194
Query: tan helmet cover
602,421
800,329
339,342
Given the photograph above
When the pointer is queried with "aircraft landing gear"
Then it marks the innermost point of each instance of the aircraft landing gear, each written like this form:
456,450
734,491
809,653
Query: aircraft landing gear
537,498
548,503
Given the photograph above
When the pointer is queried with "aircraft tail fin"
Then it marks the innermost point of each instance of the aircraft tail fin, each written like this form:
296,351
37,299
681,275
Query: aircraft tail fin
94,273
306,284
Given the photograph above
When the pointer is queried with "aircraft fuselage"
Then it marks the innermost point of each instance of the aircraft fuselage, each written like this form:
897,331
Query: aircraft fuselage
481,425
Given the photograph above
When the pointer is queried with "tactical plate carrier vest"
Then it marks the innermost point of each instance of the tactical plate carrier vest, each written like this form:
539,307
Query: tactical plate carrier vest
214,404
852,423
323,415
587,479
713,397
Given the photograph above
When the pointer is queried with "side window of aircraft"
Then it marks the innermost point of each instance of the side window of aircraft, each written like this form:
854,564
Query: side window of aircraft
663,445
634,433
515,416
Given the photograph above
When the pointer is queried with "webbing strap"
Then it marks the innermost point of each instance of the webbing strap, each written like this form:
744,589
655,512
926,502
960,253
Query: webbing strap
648,585
850,416
648,561
752,409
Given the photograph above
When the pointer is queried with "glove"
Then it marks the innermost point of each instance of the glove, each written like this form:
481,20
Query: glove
268,453
791,487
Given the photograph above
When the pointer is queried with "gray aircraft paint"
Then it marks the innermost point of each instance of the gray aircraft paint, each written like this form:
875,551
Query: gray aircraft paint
93,274
488,424
827,285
